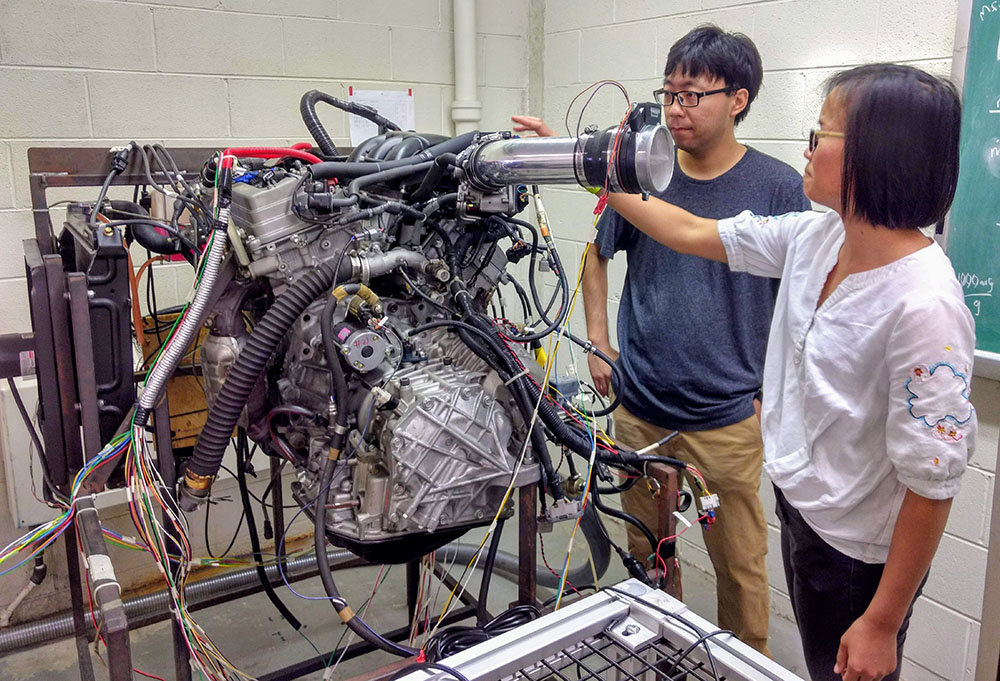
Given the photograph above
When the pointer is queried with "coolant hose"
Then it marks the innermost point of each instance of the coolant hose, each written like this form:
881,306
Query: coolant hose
242,377
354,188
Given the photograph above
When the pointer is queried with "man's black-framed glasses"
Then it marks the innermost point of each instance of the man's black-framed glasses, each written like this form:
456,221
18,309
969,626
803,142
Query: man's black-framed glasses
685,98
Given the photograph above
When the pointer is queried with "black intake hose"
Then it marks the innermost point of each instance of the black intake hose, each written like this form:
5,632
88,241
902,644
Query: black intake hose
242,377
348,169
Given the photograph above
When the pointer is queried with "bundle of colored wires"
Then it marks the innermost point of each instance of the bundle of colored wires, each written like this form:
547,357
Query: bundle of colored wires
39,538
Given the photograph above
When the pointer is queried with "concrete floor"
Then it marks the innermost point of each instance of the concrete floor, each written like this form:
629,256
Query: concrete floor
255,638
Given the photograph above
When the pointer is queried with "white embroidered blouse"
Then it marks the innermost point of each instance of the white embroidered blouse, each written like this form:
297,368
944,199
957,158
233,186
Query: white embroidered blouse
866,396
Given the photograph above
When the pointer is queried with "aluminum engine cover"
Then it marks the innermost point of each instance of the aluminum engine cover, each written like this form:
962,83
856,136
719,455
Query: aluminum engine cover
448,451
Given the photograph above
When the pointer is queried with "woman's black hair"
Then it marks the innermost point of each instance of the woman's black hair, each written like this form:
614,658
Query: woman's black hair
733,57
900,146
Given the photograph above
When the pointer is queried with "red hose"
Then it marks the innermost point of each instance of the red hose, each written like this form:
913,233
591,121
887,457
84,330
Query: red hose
302,146
265,152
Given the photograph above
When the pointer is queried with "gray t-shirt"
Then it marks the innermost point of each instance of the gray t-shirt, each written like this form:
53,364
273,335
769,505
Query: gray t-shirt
692,334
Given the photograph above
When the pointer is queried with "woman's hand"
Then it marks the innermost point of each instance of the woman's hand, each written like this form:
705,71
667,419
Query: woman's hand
533,124
867,651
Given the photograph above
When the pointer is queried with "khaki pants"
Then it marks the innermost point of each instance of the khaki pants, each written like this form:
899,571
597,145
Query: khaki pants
730,458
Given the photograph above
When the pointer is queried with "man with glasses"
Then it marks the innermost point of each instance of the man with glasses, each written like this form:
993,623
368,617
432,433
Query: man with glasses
692,333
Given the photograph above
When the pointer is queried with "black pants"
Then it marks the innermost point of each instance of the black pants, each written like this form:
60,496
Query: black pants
828,590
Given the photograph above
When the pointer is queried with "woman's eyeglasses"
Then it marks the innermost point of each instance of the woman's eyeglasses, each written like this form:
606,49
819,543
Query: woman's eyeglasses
815,135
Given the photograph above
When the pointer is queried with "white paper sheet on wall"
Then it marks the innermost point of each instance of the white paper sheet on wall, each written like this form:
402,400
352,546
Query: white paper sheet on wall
396,105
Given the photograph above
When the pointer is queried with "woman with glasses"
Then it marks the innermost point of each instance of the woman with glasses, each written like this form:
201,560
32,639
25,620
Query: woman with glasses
866,415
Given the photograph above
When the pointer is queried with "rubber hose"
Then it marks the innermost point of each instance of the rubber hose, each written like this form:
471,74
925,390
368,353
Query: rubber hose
307,108
354,188
353,621
145,233
348,169
508,564
338,380
482,613
242,377
433,177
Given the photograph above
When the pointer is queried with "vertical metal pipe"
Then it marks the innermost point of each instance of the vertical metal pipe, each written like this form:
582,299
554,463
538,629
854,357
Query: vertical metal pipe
277,499
466,108
527,524
76,598
412,586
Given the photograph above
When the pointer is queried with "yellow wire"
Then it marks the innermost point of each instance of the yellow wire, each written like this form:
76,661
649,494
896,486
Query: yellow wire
550,362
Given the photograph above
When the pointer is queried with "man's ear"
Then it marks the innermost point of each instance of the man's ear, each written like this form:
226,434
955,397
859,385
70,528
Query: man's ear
741,98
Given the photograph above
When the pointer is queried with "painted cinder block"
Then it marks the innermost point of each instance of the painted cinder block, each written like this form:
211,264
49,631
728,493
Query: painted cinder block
170,106
331,49
192,41
42,104
63,38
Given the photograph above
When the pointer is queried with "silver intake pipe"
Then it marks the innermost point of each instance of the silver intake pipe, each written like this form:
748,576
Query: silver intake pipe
643,162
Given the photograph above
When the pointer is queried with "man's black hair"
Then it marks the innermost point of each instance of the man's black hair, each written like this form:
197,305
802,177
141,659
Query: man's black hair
900,145
708,50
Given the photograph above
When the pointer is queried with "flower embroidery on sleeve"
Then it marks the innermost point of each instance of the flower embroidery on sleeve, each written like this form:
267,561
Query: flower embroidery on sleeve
939,399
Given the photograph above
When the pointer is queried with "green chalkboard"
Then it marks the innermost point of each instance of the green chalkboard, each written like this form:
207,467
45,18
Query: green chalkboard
974,223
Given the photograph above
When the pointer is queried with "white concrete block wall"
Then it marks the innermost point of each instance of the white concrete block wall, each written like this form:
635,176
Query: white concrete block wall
801,42
211,73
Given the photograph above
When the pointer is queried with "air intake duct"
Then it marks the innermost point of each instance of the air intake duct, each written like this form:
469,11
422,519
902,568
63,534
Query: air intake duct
643,163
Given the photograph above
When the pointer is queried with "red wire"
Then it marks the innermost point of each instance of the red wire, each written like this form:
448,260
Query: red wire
541,544
301,146
659,560
265,152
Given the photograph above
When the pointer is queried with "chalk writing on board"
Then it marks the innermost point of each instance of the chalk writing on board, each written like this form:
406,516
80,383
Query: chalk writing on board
991,156
988,8
976,288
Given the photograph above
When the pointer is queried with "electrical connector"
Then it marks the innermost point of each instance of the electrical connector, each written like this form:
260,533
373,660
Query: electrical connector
121,158
563,509
710,502
634,567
